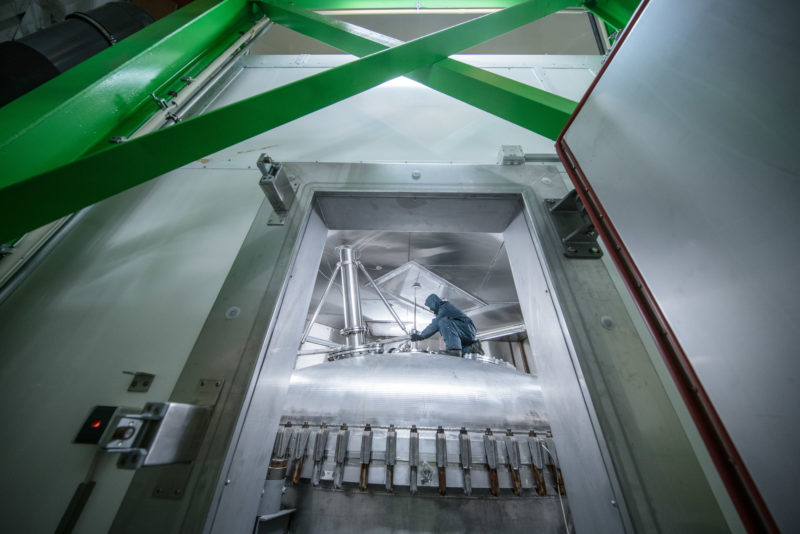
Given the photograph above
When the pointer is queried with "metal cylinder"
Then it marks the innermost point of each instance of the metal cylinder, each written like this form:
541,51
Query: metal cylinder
32,60
353,331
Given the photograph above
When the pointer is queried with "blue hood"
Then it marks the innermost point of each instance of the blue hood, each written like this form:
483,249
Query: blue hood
433,302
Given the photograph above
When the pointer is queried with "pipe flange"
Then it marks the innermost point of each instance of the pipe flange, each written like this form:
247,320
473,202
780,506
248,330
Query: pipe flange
372,348
355,330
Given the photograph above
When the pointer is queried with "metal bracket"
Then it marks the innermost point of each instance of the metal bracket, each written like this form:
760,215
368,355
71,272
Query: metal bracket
207,392
172,479
279,188
573,227
141,382
511,155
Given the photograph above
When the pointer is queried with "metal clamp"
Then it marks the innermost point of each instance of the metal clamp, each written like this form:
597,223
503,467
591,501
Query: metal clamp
390,457
465,454
300,446
321,439
537,463
490,448
366,456
163,433
441,459
573,227
340,455
512,454
277,187
354,330
413,458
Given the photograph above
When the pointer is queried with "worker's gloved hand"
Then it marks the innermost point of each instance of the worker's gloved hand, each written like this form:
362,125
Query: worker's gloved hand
416,337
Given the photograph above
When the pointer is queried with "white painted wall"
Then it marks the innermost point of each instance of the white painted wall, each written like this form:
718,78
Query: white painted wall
127,290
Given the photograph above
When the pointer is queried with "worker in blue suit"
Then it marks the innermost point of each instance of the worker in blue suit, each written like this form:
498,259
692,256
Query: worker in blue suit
458,331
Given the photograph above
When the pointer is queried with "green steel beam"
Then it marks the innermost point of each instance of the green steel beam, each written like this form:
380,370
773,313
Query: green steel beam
615,13
109,94
400,4
27,201
521,104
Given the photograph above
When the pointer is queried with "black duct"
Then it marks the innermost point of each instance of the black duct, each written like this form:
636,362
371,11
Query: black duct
32,60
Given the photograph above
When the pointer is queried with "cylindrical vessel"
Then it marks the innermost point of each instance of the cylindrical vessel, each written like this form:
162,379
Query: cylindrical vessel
32,60
426,390
351,299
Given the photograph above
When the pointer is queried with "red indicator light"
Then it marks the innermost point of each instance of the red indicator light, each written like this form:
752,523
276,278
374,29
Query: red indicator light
96,423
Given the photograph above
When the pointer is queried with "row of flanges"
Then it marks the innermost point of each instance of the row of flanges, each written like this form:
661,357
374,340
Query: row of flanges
293,445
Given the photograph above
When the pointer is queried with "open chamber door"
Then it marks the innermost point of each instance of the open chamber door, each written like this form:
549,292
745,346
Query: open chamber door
683,153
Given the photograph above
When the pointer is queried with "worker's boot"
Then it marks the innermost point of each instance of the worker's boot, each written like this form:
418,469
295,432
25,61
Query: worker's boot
476,348
453,352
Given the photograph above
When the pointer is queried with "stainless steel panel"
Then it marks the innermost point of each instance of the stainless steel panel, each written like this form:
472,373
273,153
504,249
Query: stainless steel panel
426,390
179,434
571,414
248,464
694,158
384,513
457,266
411,283
416,213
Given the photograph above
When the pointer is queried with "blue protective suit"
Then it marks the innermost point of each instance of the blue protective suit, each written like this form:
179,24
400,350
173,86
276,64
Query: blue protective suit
456,328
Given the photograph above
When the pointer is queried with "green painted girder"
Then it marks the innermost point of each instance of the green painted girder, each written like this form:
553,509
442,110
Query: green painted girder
400,4
109,94
615,13
532,108
28,201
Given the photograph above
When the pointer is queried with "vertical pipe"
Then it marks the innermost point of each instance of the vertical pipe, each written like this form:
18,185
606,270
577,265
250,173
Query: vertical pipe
351,300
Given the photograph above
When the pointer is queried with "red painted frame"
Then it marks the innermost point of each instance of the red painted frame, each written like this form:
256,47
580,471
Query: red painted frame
748,501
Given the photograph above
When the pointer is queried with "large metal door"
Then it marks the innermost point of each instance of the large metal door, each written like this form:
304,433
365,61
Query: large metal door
684,151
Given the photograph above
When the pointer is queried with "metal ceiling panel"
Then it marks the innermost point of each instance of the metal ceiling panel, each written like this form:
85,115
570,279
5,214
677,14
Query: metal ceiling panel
435,249
400,283
413,213
470,269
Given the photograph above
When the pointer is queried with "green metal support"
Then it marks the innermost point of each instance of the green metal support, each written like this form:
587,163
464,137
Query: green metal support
615,13
109,94
521,104
27,201
400,4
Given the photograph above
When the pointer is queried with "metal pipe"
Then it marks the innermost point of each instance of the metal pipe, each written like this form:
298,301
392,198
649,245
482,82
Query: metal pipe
311,352
385,302
39,254
203,82
323,342
353,331
501,332
319,306
393,340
